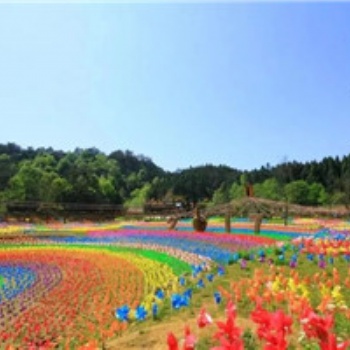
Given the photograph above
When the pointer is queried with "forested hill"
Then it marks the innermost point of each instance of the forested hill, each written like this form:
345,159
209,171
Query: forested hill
92,177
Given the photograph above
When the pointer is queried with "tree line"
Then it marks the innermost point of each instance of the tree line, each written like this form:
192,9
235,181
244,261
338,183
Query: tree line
121,177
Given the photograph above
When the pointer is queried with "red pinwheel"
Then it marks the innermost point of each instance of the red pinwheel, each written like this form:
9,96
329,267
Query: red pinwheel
172,342
204,319
189,343
229,334
319,327
273,327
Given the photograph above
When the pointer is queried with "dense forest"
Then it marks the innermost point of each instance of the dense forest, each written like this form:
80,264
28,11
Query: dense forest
90,176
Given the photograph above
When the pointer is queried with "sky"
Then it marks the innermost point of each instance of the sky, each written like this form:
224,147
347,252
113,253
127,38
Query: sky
240,84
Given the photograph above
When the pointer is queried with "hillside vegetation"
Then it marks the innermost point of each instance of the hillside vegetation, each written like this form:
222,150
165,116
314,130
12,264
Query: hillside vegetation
122,178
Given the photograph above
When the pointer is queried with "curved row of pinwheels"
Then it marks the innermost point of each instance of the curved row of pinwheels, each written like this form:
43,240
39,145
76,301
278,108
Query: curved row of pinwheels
57,295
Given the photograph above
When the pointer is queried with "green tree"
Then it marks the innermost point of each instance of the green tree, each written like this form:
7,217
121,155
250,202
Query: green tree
139,197
221,195
16,190
337,198
7,170
28,178
236,191
107,189
316,194
269,189
297,192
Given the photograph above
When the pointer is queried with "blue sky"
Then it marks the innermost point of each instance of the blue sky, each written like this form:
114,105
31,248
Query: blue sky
185,84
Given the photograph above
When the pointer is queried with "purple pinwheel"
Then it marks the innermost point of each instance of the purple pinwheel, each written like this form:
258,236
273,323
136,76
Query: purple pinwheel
322,264
243,264
293,264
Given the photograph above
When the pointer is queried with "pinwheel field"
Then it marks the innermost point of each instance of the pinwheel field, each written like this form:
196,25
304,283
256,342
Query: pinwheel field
133,285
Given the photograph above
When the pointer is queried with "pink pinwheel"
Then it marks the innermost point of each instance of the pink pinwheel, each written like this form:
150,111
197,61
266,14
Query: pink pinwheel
190,340
231,309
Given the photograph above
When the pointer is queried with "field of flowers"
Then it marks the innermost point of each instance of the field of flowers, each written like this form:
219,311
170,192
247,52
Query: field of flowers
80,286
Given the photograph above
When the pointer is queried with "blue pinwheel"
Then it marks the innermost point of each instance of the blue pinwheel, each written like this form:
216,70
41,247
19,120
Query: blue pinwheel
188,293
196,270
176,301
261,253
159,293
122,313
154,309
310,257
182,281
221,271
200,284
185,300
140,313
235,257
210,277
217,297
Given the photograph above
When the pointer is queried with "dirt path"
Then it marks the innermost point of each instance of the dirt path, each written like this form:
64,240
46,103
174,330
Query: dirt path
153,334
